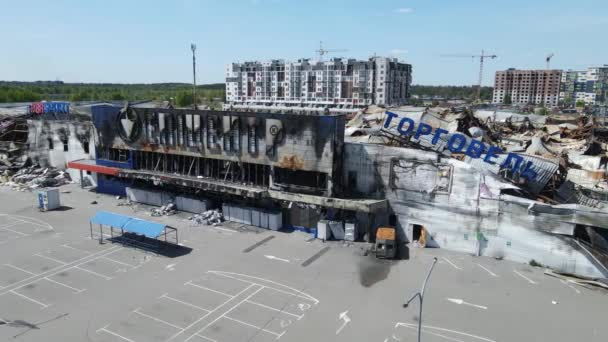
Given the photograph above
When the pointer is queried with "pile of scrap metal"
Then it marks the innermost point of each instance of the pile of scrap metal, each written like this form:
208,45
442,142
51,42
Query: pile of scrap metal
209,217
33,177
165,210
13,143
569,151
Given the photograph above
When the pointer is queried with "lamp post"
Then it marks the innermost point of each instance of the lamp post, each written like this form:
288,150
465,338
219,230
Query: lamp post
420,296
193,48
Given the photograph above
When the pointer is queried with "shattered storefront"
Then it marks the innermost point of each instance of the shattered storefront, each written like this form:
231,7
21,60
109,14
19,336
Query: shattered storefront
291,162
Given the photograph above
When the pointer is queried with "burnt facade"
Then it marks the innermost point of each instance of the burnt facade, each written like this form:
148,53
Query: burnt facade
289,152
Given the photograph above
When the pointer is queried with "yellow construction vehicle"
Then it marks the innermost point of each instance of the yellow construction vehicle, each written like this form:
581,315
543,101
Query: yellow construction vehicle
386,243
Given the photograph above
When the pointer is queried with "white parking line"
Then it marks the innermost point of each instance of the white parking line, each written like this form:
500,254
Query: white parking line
104,329
46,225
10,225
64,285
20,269
75,249
118,262
253,326
526,278
209,313
487,270
208,289
426,329
275,309
229,310
14,231
58,269
52,259
182,302
206,338
92,272
30,299
156,319
451,263
570,286
295,292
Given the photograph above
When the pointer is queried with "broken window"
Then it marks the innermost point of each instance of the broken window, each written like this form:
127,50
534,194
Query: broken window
300,180
252,140
211,132
50,140
189,130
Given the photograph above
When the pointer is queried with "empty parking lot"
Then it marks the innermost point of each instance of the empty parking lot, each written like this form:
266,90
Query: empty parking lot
241,284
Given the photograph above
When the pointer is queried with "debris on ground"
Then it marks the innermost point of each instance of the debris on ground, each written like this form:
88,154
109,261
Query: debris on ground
166,210
209,217
34,177
94,202
572,279
126,203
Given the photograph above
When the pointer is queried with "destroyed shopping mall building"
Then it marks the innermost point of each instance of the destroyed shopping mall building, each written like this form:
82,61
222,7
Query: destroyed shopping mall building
302,167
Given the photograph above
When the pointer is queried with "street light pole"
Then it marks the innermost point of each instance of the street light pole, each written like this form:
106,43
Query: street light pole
193,48
420,296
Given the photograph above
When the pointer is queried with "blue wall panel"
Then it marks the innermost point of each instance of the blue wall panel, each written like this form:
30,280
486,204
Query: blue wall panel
111,185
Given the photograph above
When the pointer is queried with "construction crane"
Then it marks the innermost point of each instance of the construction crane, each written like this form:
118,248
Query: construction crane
481,57
548,59
323,51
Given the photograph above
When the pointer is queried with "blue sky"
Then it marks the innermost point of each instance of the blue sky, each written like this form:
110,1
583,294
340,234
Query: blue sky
148,41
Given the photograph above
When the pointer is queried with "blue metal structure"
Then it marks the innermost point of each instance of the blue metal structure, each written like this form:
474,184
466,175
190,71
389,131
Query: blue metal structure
129,224
132,230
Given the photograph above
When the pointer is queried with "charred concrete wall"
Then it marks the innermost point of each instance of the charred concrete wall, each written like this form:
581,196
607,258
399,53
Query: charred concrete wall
299,151
461,208
54,143
290,141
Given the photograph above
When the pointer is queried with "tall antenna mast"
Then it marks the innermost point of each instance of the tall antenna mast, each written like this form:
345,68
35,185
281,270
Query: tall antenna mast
193,48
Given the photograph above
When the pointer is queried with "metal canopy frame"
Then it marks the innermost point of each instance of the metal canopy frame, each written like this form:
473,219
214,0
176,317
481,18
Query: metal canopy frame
137,239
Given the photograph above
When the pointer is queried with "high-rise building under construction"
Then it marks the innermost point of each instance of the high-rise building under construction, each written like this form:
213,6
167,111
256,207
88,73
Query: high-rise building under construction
339,82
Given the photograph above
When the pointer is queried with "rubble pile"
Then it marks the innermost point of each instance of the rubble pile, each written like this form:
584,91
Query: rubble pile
166,210
570,150
209,217
34,177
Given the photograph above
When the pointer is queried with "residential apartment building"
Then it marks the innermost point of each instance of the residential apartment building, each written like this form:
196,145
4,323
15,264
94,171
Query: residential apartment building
527,87
339,82
590,86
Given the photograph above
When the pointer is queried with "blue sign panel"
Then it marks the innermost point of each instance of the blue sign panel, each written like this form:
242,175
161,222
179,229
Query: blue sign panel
457,143
50,107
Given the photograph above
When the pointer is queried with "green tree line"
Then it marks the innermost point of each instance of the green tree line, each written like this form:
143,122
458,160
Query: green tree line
181,93
59,91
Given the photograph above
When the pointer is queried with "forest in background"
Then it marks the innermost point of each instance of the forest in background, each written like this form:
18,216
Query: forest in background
181,93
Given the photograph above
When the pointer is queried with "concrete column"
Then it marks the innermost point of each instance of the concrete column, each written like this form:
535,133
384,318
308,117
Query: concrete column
270,177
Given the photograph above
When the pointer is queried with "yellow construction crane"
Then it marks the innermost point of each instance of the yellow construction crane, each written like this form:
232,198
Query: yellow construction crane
323,51
481,57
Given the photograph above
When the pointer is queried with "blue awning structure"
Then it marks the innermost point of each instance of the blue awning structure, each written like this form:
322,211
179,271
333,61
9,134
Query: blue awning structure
129,224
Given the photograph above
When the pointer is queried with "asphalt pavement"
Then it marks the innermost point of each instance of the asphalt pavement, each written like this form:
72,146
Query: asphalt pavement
235,283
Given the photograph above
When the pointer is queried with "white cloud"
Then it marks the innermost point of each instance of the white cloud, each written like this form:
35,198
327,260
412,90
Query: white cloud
404,10
398,52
